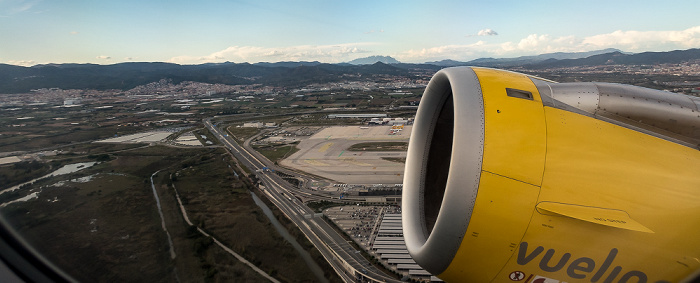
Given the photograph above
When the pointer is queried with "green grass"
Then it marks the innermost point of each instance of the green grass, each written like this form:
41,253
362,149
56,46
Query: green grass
102,230
209,135
52,136
108,229
276,153
379,146
17,173
223,206
241,134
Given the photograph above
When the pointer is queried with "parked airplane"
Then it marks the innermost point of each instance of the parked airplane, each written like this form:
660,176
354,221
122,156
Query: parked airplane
513,178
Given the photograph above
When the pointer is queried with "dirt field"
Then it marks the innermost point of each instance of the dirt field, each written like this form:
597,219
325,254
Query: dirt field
101,224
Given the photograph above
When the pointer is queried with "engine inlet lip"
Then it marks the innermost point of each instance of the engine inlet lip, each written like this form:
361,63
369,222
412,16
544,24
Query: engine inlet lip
434,251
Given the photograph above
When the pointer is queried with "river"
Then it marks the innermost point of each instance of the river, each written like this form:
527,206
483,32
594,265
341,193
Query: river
315,268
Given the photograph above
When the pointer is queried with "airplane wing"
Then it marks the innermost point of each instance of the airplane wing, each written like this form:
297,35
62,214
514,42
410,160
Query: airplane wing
510,177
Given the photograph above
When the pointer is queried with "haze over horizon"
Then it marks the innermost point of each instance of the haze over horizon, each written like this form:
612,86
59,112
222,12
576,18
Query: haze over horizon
183,32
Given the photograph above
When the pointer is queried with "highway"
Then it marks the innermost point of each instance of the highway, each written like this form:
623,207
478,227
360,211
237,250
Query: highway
302,191
348,262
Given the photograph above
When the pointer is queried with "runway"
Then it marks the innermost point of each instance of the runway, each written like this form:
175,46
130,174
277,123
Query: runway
325,154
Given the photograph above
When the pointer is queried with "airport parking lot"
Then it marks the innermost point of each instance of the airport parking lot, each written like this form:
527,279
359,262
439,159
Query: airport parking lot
378,230
357,221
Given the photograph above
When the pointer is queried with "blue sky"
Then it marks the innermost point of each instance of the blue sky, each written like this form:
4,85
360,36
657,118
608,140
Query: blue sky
193,32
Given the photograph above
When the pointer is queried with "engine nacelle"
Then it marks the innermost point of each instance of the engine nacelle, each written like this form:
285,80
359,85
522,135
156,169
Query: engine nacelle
513,177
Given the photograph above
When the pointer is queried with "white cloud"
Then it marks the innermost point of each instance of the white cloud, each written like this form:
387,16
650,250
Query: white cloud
484,32
13,7
645,40
324,53
533,41
632,41
74,32
487,32
440,52
103,57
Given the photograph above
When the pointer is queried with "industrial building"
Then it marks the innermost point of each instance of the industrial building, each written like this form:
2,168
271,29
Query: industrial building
363,116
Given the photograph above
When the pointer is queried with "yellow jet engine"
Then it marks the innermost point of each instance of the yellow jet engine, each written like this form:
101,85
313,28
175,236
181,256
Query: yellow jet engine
513,178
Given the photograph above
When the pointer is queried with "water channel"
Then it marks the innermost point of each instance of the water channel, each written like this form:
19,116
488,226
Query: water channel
285,234
66,169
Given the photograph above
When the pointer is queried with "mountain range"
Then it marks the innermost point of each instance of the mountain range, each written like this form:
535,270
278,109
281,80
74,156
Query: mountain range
374,59
18,79
523,60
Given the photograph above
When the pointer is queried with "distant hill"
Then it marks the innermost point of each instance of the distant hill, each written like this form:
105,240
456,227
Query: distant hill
288,64
374,59
522,60
619,58
447,63
122,76
18,79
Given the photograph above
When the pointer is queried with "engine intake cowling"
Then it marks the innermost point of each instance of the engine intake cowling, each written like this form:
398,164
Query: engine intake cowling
442,189
476,193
